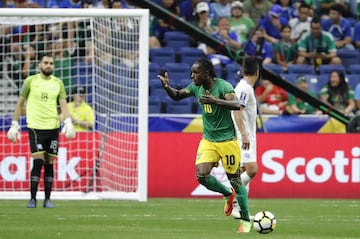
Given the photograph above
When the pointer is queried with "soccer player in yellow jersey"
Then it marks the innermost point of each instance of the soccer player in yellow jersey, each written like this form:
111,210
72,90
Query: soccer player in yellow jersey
216,98
82,114
41,92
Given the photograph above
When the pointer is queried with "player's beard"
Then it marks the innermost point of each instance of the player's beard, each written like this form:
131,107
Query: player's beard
46,71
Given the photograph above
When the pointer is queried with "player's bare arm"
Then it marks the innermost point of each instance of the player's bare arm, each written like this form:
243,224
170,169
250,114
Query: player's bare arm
230,102
238,117
175,94
19,108
64,108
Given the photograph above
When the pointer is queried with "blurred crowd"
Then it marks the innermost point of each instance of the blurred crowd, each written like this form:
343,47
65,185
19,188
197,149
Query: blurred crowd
279,32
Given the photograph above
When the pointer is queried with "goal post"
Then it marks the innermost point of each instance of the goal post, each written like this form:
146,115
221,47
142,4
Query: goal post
106,53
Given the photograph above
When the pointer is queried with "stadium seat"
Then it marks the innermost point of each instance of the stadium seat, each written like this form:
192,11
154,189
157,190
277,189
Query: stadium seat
129,108
233,71
154,104
162,55
218,71
301,69
353,80
316,82
190,54
176,40
83,80
121,71
156,88
276,68
183,106
327,69
354,69
348,56
82,68
177,72
154,70
290,77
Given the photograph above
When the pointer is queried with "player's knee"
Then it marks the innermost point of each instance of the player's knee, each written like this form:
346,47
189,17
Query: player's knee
49,172
203,179
49,160
251,170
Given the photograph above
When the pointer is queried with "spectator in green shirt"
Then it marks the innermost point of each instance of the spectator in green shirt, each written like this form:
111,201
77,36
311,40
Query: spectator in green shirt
317,47
285,50
297,105
239,23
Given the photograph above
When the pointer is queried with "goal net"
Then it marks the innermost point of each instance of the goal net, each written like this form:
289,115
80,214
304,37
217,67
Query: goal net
104,51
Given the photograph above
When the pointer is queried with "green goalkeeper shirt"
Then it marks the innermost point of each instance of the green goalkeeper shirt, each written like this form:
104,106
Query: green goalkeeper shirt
42,96
217,122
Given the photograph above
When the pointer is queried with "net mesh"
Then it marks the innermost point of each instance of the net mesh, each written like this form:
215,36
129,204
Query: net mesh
99,54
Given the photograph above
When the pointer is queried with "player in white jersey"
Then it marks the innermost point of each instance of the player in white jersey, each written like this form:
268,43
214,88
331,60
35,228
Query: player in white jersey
246,130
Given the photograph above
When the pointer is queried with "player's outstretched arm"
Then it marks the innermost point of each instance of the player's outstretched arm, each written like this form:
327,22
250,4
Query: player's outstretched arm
175,94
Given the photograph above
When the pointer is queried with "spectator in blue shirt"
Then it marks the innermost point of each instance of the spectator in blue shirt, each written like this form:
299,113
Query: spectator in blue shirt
188,9
272,23
258,47
287,9
226,36
221,8
66,4
356,37
338,27
357,97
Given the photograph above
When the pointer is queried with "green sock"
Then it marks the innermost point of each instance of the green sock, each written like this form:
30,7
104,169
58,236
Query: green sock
242,198
213,184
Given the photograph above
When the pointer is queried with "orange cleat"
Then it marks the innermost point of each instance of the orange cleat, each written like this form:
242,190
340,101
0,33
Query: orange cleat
229,200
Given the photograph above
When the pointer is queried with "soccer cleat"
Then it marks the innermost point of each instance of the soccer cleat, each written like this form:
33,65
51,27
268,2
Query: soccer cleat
48,204
229,200
32,203
236,210
245,227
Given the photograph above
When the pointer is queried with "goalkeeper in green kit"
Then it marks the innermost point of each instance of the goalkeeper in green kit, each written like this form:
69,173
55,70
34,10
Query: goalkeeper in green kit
41,92
216,98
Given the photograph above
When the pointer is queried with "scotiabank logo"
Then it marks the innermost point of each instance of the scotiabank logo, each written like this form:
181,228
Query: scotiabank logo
344,167
14,168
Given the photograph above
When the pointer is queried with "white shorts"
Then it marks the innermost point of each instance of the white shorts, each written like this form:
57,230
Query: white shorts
248,156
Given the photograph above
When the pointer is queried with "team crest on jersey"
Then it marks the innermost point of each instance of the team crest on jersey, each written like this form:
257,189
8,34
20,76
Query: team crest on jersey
198,156
39,146
242,96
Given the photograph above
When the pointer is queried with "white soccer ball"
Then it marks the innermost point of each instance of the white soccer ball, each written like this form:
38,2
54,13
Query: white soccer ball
264,222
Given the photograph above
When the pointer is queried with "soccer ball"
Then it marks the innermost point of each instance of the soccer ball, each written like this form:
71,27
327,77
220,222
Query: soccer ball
264,222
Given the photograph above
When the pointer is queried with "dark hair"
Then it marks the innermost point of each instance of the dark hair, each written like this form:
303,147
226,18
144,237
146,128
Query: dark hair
45,55
111,3
341,90
304,5
284,26
206,65
220,19
338,7
315,19
250,65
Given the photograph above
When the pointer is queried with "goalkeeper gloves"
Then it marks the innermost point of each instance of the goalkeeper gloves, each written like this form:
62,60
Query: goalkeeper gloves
68,129
14,132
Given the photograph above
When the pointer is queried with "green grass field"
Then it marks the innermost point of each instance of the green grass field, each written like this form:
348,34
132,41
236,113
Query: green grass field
175,218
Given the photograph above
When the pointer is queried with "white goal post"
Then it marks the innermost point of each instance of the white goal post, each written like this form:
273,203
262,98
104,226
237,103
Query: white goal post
106,53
